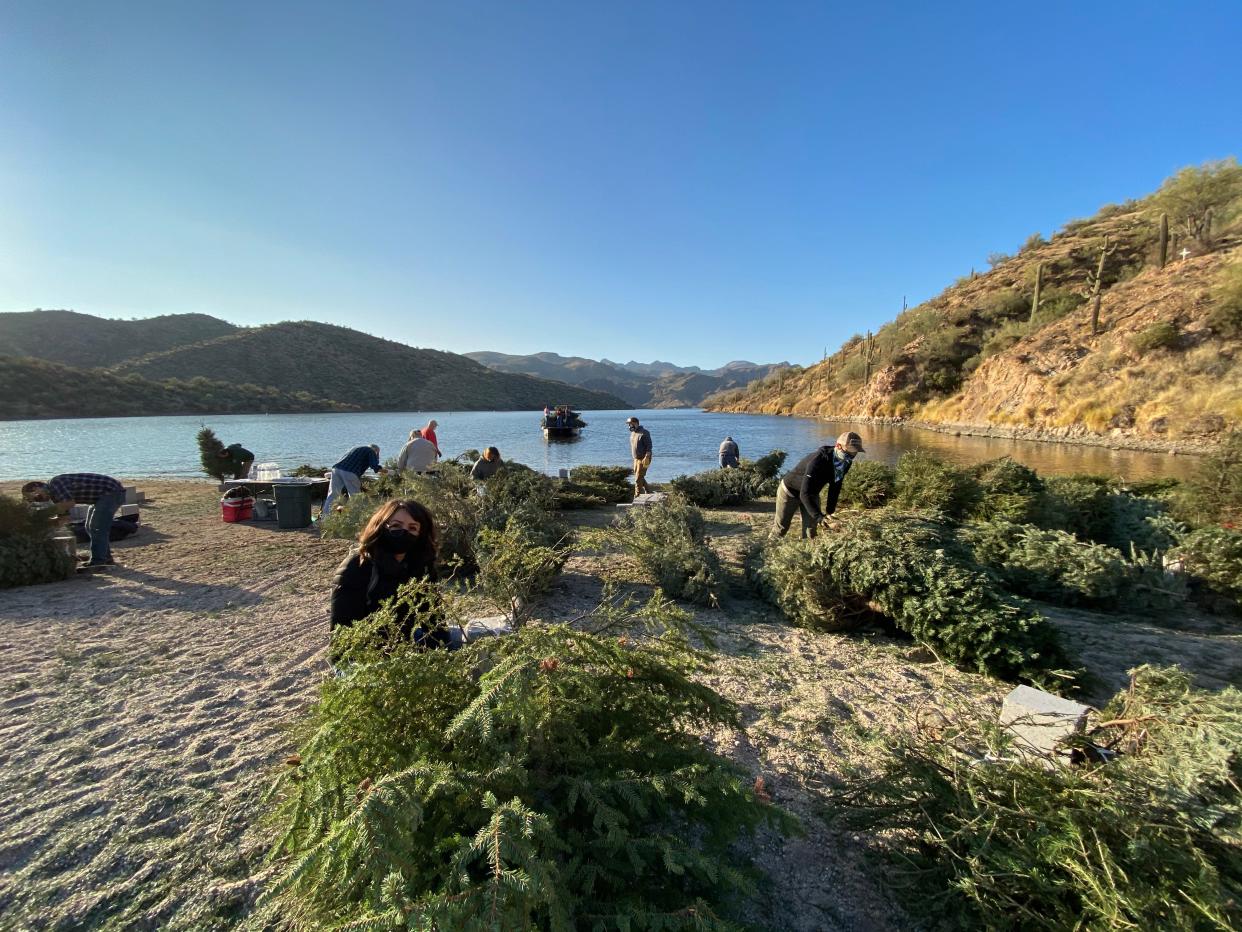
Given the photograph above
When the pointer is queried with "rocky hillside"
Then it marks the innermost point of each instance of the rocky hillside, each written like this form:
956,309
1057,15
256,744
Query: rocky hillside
1159,368
643,385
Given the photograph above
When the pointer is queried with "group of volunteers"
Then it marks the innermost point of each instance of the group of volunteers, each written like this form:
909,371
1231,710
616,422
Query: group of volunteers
398,543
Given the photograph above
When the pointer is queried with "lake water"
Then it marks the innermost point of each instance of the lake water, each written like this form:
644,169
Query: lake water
685,441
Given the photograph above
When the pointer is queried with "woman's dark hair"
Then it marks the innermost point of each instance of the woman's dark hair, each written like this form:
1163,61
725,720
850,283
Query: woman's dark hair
428,539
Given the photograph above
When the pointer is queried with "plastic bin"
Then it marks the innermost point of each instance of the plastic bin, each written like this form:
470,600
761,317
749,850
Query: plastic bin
233,510
293,504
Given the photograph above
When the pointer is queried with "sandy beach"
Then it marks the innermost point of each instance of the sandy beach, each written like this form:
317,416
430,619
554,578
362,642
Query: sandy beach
143,711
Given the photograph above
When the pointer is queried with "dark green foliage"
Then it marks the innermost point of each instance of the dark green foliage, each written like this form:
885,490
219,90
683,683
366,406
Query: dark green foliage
518,494
597,485
869,484
906,567
1056,303
1214,555
211,455
1004,305
1160,335
735,486
566,788
667,539
1078,504
925,483
1008,490
1057,567
307,471
767,466
1214,493
28,556
1148,841
717,487
1138,524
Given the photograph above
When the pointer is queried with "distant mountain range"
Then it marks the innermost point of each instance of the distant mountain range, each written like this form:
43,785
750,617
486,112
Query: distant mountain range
65,364
643,385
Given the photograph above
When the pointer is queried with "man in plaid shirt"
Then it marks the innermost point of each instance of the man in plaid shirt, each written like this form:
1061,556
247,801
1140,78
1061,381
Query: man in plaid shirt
104,495
346,475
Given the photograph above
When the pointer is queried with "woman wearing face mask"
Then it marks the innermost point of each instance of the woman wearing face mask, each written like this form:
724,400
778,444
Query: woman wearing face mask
398,544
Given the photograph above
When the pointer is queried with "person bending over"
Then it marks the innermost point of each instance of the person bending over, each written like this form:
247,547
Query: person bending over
487,465
347,474
799,489
729,454
104,495
397,545
418,455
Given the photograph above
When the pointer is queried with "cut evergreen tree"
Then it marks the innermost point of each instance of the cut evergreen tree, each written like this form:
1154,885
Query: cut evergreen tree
28,555
668,541
1149,840
566,788
211,455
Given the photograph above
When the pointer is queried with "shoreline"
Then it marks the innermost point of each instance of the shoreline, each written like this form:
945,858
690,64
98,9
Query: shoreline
1065,435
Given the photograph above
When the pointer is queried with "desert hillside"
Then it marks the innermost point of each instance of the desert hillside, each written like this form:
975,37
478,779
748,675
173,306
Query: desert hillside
1156,367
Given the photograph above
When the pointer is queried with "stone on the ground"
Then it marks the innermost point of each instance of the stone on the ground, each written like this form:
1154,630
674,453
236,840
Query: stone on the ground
489,627
1040,721
647,498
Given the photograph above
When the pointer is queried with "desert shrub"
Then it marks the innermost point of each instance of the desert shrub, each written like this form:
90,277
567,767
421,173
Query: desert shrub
1160,335
1213,494
1225,317
1034,241
28,556
1057,567
1214,555
1055,303
210,450
1149,840
667,539
450,497
1004,305
905,567
869,484
517,566
1007,490
925,483
998,258
566,787
1004,337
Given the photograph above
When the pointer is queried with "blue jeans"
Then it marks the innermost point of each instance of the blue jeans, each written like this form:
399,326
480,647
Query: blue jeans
99,519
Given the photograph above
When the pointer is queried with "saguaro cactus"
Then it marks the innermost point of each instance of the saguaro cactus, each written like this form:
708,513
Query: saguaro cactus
1039,286
1105,252
869,351
1164,239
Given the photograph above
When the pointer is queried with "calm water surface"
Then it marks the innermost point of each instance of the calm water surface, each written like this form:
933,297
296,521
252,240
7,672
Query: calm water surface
684,440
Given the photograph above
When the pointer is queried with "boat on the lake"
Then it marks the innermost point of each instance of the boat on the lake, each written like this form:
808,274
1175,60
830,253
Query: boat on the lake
562,423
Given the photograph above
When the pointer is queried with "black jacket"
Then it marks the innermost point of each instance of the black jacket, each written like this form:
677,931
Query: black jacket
808,478
360,587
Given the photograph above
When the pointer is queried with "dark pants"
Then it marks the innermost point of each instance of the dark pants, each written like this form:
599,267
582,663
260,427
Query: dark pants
242,470
99,519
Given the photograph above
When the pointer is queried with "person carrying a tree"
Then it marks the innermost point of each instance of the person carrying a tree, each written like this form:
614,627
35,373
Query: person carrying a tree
346,475
799,490
237,459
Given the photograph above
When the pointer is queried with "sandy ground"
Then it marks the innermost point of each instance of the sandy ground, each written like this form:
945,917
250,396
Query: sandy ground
144,710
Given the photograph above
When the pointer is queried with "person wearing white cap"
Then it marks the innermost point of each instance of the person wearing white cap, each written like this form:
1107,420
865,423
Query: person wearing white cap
800,488
640,449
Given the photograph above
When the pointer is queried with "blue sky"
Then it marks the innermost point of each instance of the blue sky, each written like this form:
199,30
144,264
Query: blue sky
696,182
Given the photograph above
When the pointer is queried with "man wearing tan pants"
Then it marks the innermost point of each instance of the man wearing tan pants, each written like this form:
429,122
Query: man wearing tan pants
640,448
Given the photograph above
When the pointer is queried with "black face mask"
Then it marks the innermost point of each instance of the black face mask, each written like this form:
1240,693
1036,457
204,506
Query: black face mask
397,540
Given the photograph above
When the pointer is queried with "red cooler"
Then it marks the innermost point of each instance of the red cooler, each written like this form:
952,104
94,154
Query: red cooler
236,509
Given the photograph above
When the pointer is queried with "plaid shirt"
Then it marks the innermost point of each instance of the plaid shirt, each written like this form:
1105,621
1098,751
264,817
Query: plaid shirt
359,460
84,488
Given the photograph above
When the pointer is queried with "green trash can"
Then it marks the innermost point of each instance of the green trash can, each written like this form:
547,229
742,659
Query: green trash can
293,504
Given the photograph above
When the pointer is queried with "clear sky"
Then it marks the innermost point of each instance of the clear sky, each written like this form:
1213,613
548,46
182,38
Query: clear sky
696,182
